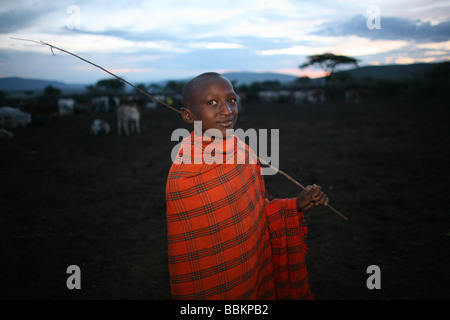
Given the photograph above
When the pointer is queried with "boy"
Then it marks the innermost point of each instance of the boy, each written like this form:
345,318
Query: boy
226,240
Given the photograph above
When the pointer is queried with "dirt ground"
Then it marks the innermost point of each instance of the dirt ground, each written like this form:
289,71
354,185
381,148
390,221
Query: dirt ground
69,198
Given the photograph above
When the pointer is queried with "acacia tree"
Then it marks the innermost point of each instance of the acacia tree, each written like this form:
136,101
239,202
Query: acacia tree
328,62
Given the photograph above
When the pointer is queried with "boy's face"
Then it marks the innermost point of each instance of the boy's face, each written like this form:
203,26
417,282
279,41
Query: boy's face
214,102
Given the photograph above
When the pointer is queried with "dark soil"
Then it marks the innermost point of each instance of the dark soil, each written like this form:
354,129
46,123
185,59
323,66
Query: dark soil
70,198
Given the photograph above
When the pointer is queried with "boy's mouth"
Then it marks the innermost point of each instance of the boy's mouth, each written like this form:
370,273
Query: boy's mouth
225,124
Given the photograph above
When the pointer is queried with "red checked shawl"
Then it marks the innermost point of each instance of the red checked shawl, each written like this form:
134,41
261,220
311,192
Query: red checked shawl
226,240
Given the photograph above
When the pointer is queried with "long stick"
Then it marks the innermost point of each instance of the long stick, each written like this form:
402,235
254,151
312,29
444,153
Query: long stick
95,65
169,106
299,184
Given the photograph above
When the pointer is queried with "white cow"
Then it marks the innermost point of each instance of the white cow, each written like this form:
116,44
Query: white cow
128,119
66,106
100,126
11,118
101,104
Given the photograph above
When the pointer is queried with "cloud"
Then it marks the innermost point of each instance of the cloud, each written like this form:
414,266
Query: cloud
346,45
172,38
436,46
81,43
131,70
392,28
216,45
15,20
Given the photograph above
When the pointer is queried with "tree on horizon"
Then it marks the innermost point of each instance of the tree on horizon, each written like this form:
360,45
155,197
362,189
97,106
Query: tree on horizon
328,62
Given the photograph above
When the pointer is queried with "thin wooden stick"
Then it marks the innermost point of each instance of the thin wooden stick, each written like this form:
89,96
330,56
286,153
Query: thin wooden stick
169,106
298,184
95,65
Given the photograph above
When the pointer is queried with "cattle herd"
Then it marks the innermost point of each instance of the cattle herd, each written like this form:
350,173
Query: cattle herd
25,113
128,108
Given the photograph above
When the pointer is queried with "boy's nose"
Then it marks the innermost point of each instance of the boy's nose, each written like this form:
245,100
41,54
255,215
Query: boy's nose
225,109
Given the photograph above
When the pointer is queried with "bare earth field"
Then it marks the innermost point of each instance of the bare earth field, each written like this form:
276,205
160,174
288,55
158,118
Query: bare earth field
69,198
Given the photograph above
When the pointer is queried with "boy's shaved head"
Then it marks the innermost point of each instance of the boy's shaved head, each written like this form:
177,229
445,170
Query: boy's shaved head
189,87
210,98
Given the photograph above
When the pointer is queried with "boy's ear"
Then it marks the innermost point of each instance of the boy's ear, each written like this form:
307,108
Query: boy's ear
186,114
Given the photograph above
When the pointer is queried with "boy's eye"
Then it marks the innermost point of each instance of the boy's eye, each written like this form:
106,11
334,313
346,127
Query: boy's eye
232,100
211,103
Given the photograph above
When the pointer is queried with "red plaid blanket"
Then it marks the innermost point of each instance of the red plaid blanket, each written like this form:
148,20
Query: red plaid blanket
226,240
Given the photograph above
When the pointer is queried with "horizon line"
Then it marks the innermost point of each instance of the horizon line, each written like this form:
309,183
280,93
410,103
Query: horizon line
294,72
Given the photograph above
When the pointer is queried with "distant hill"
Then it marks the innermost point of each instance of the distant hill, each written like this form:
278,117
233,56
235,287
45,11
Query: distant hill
37,85
249,77
391,72
24,84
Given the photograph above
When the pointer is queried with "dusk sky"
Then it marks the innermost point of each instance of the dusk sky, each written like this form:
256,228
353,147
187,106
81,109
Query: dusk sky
145,41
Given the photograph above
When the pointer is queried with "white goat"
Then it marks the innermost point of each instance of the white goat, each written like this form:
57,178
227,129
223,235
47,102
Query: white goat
100,126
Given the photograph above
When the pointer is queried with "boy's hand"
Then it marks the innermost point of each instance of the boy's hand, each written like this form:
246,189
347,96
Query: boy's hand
312,196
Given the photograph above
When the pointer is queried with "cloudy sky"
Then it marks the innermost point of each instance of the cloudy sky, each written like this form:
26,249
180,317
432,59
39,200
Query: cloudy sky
145,41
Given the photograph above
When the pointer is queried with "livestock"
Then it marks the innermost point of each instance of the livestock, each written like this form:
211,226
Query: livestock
100,104
5,135
284,96
105,103
352,96
300,97
268,96
151,104
115,101
100,126
11,118
316,96
128,119
312,96
66,107
41,113
168,99
356,95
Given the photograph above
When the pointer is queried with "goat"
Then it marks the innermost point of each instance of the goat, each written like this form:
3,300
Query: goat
100,126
